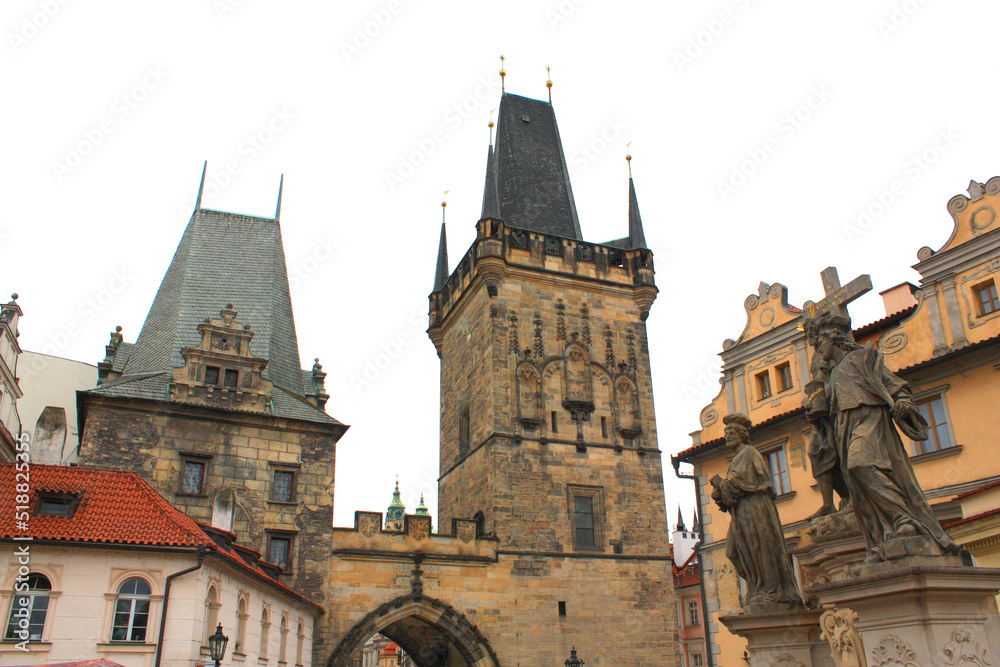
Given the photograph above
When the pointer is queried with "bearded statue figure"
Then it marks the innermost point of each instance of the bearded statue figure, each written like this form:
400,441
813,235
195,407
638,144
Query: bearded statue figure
865,401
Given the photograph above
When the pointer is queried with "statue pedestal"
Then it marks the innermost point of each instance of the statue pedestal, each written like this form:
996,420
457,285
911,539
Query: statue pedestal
928,614
782,637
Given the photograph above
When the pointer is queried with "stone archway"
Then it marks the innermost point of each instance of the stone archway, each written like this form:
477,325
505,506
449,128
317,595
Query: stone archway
432,632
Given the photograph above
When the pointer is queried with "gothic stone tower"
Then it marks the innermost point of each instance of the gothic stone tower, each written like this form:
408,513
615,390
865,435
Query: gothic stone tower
548,436
211,406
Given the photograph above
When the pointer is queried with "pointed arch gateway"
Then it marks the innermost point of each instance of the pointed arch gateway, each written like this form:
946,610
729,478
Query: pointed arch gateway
432,632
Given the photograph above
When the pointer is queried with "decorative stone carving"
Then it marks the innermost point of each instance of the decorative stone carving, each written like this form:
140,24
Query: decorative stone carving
609,349
893,652
369,523
755,542
964,651
220,370
418,527
785,660
514,344
560,320
865,399
465,530
837,626
518,239
539,345
585,315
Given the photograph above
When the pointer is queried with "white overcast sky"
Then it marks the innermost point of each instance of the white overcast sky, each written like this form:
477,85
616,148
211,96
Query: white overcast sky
373,108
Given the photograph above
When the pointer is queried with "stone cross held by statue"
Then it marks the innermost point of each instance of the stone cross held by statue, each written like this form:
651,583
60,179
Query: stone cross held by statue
837,296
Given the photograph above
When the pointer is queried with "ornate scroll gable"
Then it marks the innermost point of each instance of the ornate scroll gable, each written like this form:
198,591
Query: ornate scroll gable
973,215
220,371
766,310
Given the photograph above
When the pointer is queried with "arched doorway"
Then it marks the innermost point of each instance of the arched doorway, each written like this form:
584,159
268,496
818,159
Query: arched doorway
433,633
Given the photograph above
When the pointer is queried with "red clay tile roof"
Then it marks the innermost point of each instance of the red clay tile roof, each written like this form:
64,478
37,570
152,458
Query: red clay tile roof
980,489
391,649
975,517
116,507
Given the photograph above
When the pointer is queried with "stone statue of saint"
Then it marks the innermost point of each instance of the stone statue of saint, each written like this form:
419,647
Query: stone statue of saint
865,399
826,468
755,543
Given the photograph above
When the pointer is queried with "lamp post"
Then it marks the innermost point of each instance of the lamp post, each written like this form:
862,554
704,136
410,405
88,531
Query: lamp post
573,660
217,645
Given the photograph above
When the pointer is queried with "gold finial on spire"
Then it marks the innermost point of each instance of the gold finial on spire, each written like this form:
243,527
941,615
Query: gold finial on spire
492,111
628,158
503,74
444,205
548,83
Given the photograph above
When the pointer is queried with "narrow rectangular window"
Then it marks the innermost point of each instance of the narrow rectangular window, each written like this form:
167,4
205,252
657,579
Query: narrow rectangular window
987,295
785,376
693,616
763,385
463,432
211,375
778,465
583,520
562,608
194,477
696,660
279,550
555,425
604,427
232,378
283,490
934,413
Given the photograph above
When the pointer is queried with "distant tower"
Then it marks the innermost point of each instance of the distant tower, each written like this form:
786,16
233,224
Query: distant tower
422,508
684,540
395,515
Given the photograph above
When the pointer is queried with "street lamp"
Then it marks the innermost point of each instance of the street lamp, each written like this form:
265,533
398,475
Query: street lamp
573,660
217,645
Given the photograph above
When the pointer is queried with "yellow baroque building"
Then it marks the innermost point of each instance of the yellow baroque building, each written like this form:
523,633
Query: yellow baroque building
942,336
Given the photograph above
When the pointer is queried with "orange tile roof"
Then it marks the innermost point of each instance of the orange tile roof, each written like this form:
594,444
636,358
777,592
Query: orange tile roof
116,507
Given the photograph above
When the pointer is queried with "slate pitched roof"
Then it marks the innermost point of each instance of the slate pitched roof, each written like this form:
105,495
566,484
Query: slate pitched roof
532,179
222,258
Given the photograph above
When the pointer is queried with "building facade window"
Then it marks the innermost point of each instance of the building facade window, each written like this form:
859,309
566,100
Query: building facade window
211,375
211,613
986,297
265,630
935,413
763,385
464,434
283,488
585,508
693,617
232,378
37,599
194,469
241,626
696,660
131,611
283,643
777,463
300,640
57,504
279,550
785,376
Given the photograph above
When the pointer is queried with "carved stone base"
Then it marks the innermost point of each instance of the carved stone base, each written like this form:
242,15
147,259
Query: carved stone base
789,638
921,614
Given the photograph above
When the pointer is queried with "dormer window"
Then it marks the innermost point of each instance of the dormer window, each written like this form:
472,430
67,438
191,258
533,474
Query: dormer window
211,375
57,504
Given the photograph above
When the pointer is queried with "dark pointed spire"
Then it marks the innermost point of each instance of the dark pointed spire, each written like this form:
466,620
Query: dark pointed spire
201,187
441,273
636,238
277,209
696,527
680,520
491,198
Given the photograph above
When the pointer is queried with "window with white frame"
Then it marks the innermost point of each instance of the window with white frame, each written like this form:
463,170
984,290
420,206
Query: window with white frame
28,609
935,412
693,617
777,464
131,618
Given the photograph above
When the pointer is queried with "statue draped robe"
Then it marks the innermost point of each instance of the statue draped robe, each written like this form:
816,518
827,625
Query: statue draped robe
755,543
884,490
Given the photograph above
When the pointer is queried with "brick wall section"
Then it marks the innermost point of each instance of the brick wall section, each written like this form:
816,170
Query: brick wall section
147,438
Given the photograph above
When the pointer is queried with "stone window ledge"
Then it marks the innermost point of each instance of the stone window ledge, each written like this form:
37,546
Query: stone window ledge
125,647
939,454
785,496
191,495
10,646
293,503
